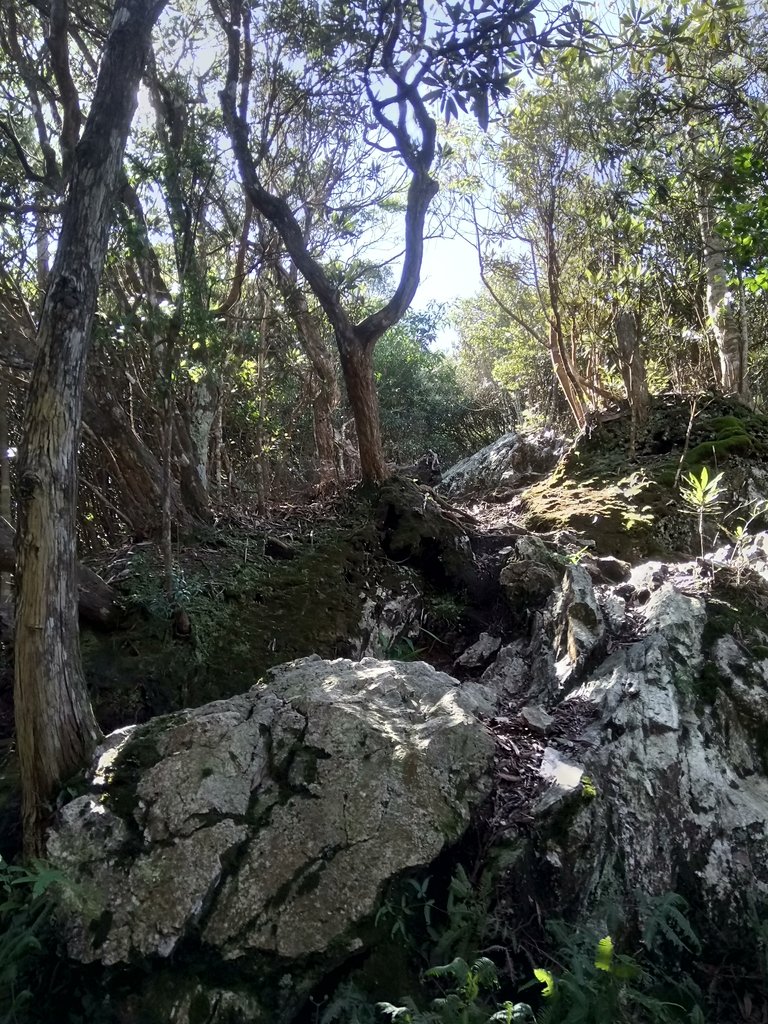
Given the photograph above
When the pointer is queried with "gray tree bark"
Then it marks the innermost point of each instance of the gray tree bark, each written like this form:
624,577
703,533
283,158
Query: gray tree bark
55,727
721,308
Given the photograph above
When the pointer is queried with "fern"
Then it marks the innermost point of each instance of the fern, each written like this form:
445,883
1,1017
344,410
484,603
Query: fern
665,916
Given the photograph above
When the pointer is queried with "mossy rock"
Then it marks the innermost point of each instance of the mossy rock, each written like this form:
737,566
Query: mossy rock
629,501
418,527
248,612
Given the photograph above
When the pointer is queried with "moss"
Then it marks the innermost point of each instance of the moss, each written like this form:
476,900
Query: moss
632,521
729,611
139,753
588,788
709,683
199,1009
723,424
717,450
248,613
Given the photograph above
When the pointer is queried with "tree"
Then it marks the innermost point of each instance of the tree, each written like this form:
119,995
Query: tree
404,57
55,726
696,74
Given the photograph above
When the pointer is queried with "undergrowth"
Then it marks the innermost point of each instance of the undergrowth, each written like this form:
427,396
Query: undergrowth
585,979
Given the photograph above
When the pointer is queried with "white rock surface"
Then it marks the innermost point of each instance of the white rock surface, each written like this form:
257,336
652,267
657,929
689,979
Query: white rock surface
507,463
269,823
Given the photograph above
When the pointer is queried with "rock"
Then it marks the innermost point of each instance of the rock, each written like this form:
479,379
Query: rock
509,674
417,527
607,569
426,470
528,585
537,719
673,738
563,778
480,653
577,624
511,462
387,618
646,578
267,826
680,619
532,549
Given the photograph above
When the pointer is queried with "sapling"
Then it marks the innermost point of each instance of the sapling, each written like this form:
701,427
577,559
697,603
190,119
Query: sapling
703,497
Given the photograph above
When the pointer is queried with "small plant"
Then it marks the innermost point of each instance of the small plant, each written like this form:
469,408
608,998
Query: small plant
444,610
666,917
588,788
465,999
25,906
631,487
402,649
740,534
413,910
599,985
702,497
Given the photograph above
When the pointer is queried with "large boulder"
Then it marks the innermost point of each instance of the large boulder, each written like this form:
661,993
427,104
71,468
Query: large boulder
513,461
262,831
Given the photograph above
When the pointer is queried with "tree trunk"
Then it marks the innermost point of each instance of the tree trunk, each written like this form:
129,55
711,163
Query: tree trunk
632,365
559,364
218,445
262,471
203,403
137,471
357,366
193,493
96,599
322,414
55,727
5,486
326,398
731,346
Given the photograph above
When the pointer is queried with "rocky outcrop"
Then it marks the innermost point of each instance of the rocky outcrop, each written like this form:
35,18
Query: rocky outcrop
262,830
652,779
514,461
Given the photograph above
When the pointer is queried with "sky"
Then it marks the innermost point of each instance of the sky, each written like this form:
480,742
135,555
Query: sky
449,271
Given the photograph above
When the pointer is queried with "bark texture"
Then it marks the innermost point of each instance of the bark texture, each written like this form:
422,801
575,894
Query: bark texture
55,726
721,308
632,364
357,364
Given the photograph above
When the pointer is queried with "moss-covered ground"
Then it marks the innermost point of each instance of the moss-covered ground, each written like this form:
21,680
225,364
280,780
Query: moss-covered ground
627,498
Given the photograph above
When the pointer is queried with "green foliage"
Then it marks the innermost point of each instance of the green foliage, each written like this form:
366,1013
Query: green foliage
444,610
412,910
25,907
665,917
588,980
702,497
595,984
588,788
631,487
423,402
403,649
465,917
466,988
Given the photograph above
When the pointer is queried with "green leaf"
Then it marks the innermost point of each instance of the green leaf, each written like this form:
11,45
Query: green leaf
604,954
547,979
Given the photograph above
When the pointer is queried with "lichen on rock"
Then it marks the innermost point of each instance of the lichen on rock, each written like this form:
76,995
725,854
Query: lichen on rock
265,826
